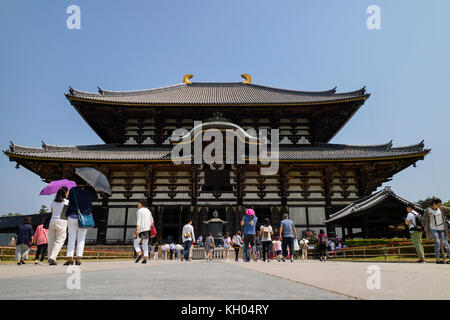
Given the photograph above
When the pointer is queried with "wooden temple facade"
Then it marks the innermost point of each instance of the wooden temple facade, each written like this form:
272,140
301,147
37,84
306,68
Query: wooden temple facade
315,178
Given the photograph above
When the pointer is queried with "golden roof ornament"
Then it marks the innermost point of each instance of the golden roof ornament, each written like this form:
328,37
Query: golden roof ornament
186,78
247,77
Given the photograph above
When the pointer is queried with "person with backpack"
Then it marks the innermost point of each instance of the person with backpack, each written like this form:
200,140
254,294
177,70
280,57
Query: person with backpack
415,223
266,232
287,234
237,243
323,244
436,227
188,238
249,223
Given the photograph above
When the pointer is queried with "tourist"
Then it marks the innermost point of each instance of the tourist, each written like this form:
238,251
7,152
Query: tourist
80,200
266,232
249,223
237,243
164,251
287,233
227,245
144,221
277,248
57,230
12,242
332,246
155,252
415,223
200,241
188,238
178,248
209,246
436,227
304,248
258,246
323,244
24,238
41,240
172,250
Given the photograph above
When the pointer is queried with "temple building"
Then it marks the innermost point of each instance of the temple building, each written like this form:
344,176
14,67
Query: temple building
315,178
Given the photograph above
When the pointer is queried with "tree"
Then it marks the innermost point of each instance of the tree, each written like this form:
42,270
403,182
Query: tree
43,209
427,202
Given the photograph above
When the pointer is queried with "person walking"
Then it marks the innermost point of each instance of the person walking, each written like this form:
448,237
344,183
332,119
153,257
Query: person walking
266,232
249,223
188,238
172,250
287,234
41,240
57,230
144,221
80,199
304,248
277,249
237,243
227,245
415,223
209,246
155,251
436,227
323,244
24,239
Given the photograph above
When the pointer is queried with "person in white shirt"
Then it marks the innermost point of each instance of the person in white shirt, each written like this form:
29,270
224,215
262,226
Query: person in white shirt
304,247
414,221
436,227
57,230
144,221
188,238
178,249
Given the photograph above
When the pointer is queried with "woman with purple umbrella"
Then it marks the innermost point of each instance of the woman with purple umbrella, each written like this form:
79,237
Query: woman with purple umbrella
58,225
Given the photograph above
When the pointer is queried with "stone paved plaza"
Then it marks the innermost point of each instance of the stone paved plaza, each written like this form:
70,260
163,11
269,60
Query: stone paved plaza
226,280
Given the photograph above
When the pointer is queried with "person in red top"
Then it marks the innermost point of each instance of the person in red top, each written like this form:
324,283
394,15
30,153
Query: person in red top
41,240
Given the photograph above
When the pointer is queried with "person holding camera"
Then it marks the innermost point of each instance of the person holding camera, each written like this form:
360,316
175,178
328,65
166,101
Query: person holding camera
415,223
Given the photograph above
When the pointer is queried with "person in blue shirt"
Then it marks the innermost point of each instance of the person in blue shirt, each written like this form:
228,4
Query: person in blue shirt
287,234
249,223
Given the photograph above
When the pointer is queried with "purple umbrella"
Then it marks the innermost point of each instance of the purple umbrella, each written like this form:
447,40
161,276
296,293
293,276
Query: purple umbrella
54,186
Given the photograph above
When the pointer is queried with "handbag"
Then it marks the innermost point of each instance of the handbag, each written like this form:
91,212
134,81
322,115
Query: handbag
296,246
152,231
85,218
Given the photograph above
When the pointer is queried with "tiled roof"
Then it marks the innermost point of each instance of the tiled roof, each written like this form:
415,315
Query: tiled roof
216,93
369,202
112,152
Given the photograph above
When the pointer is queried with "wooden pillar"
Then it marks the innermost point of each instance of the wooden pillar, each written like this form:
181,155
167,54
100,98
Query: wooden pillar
101,218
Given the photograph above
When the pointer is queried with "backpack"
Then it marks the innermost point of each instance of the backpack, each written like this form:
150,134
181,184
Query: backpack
418,225
266,232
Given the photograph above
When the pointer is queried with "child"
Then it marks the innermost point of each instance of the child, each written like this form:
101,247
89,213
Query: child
277,248
304,248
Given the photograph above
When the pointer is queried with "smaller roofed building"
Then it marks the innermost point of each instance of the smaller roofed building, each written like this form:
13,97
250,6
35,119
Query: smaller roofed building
380,215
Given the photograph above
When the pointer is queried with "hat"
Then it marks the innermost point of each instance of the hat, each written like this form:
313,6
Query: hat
250,212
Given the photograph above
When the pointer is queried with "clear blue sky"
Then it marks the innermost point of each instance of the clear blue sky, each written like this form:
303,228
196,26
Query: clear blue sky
304,45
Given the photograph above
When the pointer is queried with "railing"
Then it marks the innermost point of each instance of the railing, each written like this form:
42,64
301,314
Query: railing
380,252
